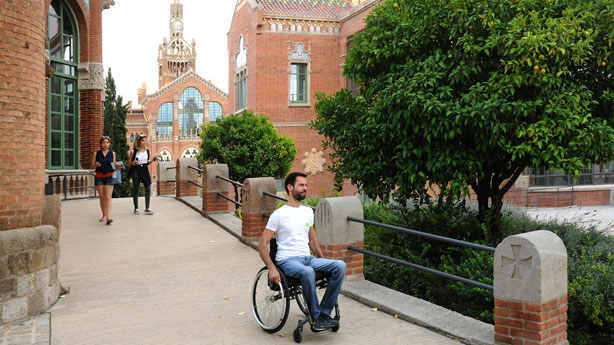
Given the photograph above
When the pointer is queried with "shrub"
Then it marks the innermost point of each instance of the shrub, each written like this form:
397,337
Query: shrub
590,262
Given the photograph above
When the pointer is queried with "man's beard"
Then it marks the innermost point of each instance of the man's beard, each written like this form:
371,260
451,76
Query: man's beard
298,196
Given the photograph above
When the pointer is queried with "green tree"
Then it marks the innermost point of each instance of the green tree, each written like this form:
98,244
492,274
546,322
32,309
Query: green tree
115,128
468,93
249,144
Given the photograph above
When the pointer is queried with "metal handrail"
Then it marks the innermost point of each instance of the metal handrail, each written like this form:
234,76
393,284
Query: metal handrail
422,268
196,184
424,234
275,196
195,168
229,199
173,167
236,183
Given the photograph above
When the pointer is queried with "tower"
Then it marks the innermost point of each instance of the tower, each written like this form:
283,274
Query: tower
176,56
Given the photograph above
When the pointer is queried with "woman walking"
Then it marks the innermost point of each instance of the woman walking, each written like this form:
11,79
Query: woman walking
103,162
139,172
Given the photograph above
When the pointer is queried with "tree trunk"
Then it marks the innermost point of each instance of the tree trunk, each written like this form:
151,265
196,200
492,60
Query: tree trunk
490,204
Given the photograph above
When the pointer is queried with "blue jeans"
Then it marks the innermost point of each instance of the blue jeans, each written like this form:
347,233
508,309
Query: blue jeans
303,268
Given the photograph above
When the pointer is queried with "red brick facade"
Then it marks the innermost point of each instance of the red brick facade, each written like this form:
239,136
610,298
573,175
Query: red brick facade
353,260
269,40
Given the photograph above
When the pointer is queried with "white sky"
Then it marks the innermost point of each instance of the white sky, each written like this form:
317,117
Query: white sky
133,29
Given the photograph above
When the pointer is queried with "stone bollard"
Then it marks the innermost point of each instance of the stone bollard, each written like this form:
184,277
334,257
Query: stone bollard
183,174
335,233
255,204
530,290
212,185
166,178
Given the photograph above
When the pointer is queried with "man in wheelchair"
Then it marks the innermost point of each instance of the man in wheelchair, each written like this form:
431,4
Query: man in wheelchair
293,225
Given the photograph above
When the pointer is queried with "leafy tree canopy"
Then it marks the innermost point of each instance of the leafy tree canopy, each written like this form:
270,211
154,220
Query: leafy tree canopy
249,144
470,92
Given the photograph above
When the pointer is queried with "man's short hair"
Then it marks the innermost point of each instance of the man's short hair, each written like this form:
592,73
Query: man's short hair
291,179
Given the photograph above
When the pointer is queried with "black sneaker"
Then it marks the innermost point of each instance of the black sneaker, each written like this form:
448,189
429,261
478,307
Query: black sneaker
321,324
330,320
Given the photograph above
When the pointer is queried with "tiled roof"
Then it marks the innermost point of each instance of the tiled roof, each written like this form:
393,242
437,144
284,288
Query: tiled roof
307,8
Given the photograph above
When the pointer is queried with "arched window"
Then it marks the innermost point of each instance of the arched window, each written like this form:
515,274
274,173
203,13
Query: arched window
191,111
131,138
63,96
241,58
215,111
189,153
164,125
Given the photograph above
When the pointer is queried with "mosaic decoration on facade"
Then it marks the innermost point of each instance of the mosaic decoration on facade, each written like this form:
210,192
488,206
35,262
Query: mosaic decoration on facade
299,53
301,26
87,4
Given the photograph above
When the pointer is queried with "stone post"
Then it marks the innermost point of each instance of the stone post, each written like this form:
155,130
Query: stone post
212,202
335,233
183,174
166,178
530,290
255,204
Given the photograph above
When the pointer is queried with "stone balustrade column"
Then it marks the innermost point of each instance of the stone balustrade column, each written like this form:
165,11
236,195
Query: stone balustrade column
530,290
255,204
183,174
166,178
335,233
212,185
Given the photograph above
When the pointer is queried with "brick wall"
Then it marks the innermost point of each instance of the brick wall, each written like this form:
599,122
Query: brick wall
353,260
22,112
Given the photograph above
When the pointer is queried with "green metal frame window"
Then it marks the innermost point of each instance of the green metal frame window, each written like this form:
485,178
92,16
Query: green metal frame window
164,125
241,90
298,83
215,111
191,111
62,97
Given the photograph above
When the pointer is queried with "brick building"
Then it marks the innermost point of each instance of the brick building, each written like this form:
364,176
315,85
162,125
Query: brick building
281,52
172,116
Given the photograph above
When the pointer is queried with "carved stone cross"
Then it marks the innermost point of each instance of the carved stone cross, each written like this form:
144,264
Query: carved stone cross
516,261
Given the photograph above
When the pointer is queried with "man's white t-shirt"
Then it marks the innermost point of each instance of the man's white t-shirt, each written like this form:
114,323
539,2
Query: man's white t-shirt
291,224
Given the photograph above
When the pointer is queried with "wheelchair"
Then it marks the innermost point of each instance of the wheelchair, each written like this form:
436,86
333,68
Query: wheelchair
271,302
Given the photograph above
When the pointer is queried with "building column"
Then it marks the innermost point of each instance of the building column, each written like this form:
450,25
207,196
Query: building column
22,113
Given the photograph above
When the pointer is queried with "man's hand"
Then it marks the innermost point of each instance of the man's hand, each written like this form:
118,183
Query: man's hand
274,276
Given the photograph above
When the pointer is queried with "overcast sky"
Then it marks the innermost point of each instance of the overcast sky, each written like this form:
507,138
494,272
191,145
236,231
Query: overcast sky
133,29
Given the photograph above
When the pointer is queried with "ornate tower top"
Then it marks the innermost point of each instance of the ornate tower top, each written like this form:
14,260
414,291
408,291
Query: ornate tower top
176,56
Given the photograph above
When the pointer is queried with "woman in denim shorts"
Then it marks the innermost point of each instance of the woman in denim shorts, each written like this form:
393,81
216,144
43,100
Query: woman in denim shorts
103,162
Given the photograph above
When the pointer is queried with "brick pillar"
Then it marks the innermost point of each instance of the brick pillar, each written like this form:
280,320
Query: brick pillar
166,178
530,290
22,112
183,174
335,233
212,202
255,203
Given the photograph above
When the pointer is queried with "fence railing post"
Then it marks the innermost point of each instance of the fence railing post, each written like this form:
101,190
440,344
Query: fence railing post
183,174
335,233
212,202
255,204
166,178
530,289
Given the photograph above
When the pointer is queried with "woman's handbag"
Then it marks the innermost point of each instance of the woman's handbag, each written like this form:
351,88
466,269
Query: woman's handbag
117,177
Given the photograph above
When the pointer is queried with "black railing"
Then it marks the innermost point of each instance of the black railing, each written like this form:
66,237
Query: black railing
192,181
236,186
65,186
429,236
173,167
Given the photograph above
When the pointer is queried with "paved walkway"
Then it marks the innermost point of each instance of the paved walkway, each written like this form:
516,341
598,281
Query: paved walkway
601,217
177,278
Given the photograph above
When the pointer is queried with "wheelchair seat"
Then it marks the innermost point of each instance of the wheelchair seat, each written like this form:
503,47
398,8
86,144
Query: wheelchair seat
271,302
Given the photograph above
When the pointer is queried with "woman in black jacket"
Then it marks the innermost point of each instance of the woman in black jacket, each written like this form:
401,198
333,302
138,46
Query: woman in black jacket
138,162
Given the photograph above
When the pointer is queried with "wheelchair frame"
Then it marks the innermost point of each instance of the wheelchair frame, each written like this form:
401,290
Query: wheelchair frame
270,297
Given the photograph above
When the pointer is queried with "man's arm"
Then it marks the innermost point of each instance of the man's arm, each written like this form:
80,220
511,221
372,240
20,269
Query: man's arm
263,250
314,244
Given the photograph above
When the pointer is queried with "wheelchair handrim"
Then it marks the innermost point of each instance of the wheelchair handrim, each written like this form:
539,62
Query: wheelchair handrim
282,298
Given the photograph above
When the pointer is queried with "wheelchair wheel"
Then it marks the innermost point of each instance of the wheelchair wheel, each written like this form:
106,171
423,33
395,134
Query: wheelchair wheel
270,301
302,303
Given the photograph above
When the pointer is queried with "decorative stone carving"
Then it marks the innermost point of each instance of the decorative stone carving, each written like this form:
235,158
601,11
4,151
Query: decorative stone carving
106,4
91,76
313,162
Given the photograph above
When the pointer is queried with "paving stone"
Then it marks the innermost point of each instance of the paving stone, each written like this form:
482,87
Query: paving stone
177,278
